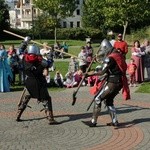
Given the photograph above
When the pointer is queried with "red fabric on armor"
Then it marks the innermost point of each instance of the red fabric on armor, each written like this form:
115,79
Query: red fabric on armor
31,58
119,58
97,87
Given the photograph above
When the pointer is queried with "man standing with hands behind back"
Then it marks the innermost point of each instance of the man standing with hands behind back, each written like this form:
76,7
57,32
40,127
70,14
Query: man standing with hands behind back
121,44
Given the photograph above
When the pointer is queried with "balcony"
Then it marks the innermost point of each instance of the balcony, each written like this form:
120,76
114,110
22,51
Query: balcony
29,17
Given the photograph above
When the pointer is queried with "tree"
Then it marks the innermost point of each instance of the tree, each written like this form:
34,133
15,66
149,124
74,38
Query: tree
4,16
113,13
126,12
93,14
56,9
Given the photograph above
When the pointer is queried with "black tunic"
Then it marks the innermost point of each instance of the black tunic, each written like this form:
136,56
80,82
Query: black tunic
35,82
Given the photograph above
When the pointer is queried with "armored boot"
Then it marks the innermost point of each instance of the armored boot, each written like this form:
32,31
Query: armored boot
51,118
19,113
22,106
49,112
96,111
113,115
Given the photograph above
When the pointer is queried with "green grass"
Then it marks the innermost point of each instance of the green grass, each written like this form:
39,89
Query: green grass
144,88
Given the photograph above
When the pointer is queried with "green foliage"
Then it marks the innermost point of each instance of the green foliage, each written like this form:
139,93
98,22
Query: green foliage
110,14
56,8
93,14
4,16
62,33
79,33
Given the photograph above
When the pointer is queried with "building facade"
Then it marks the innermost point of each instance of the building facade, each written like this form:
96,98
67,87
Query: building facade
75,21
23,13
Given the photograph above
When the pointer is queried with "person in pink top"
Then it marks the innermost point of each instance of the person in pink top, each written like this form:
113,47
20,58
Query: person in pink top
121,44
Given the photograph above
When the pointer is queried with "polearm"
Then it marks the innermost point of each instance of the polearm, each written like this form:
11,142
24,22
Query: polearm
33,41
75,92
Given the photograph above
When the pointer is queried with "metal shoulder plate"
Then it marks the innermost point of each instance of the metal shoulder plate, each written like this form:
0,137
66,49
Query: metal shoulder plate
105,63
107,60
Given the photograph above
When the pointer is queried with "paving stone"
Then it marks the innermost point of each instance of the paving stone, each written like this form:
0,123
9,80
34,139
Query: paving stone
34,133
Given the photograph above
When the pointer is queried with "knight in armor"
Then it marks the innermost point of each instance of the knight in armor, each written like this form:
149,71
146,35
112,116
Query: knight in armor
114,67
35,82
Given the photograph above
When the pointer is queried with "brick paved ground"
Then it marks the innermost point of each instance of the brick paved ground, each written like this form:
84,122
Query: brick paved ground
34,133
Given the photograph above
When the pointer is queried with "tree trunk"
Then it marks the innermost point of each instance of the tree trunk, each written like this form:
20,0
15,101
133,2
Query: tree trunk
55,34
124,29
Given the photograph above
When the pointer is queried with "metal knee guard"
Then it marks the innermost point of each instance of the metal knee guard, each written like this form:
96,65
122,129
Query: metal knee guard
113,115
98,98
96,111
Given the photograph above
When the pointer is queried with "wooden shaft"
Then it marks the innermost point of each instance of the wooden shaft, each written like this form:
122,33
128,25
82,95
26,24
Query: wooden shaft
84,76
39,43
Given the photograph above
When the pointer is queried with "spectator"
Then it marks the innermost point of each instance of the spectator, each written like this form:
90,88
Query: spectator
61,54
121,44
58,79
92,80
146,61
47,75
131,68
137,56
83,59
73,65
47,54
78,77
89,51
13,61
70,80
65,47
57,46
5,72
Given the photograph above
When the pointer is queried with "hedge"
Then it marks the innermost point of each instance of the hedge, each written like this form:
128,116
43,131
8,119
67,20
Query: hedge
62,33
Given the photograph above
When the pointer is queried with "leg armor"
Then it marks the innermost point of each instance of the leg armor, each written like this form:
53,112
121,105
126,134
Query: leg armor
22,105
49,111
102,93
96,111
113,115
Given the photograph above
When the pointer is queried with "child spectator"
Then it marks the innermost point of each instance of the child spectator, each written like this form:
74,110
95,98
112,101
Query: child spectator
131,71
73,65
83,59
70,80
58,79
78,77
92,80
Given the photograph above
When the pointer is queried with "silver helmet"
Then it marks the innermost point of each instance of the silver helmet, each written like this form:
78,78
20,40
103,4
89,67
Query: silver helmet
33,49
105,48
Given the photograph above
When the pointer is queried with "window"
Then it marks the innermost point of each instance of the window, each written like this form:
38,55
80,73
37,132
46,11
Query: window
78,11
64,24
78,23
78,2
71,24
